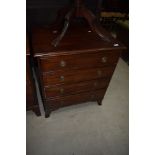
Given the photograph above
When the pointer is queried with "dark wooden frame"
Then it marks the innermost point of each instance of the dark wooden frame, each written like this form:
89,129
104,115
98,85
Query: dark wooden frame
31,94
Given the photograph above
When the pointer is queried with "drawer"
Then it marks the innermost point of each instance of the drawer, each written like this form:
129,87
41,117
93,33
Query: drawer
86,60
73,76
62,90
75,99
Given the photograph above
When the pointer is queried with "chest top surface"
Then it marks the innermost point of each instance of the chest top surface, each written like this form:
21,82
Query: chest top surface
76,40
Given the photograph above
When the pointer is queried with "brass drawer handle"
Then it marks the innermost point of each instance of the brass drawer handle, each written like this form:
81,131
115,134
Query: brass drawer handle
61,90
62,78
99,72
95,84
62,63
104,59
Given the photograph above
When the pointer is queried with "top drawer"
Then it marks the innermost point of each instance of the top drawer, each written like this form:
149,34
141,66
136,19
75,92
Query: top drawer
75,61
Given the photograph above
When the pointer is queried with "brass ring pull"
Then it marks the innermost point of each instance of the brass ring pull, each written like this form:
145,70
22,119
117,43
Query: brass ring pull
95,84
62,78
61,90
99,72
62,63
104,59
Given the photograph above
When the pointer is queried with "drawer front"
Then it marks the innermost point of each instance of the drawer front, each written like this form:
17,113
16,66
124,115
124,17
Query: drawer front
75,99
73,76
88,60
62,90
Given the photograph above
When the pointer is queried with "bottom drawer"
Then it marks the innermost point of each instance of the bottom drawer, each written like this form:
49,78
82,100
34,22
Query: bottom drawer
75,99
70,89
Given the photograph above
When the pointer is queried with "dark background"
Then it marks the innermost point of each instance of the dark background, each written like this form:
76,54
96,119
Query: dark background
43,12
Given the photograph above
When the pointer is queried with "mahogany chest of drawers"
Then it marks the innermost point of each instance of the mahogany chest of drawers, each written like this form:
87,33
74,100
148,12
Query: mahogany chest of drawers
31,97
78,70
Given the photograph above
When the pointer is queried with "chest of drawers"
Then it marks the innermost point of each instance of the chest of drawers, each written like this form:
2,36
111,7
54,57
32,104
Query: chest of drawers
78,70
31,97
